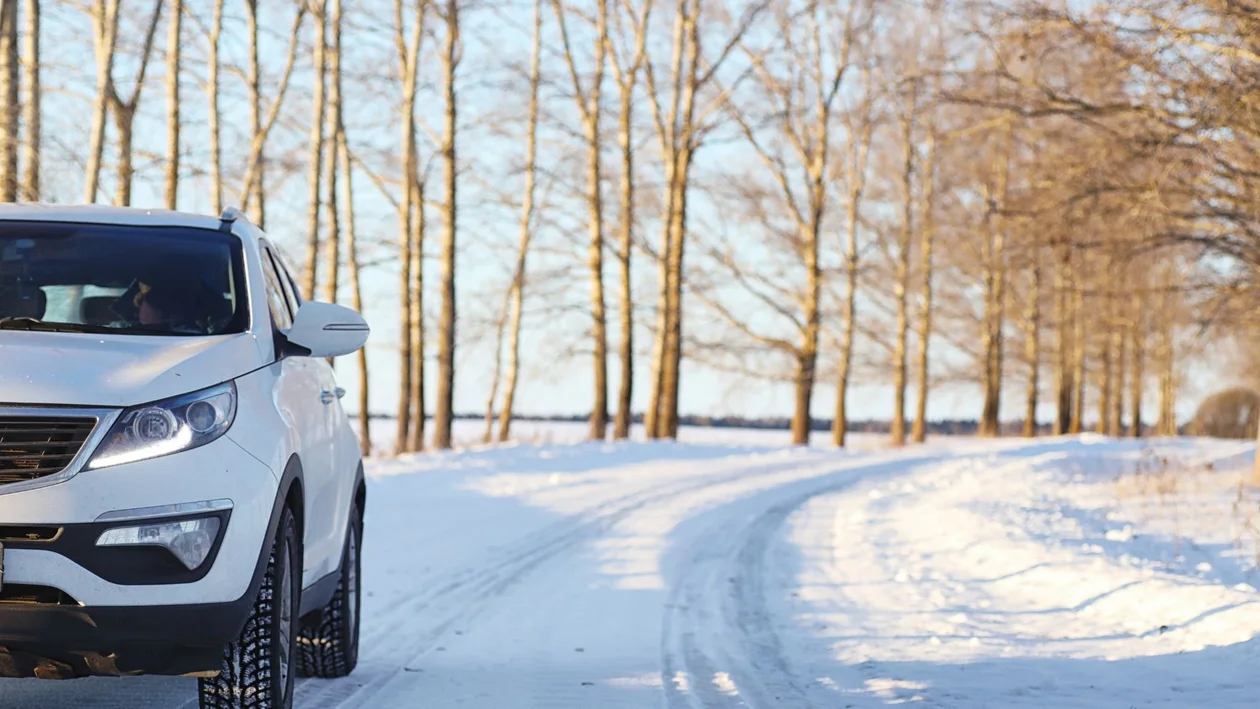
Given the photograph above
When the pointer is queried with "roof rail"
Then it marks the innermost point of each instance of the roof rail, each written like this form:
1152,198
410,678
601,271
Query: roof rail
229,215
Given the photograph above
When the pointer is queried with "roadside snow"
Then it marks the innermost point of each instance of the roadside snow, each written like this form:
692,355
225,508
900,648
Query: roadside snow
727,572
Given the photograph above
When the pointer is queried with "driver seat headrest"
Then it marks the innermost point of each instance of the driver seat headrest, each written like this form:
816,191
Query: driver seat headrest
23,302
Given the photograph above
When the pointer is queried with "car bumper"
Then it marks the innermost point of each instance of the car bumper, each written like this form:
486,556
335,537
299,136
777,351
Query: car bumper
218,471
59,642
131,610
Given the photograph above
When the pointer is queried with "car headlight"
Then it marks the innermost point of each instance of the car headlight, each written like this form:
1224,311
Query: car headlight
164,427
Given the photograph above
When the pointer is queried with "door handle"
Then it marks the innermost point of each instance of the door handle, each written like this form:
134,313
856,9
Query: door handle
329,396
339,392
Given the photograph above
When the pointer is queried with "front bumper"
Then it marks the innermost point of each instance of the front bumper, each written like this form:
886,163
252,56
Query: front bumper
64,642
219,470
129,610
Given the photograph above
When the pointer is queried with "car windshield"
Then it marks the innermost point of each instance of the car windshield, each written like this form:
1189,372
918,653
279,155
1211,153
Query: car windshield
120,279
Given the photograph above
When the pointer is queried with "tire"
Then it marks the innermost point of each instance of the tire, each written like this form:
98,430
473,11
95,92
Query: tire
258,668
329,648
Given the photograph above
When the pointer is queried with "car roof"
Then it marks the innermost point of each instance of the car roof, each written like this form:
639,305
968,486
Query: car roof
104,214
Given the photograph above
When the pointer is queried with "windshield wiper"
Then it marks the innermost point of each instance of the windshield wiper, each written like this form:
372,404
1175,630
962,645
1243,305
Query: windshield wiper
28,323
15,323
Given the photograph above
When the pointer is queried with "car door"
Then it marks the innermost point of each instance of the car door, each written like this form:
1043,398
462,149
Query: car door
298,398
324,474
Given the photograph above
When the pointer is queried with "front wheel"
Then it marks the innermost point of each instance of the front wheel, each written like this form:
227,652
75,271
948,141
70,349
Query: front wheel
330,647
257,670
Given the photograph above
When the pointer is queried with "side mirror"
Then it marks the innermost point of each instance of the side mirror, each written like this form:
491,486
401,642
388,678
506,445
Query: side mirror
328,330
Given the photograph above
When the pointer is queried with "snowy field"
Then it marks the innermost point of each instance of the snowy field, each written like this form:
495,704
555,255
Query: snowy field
728,571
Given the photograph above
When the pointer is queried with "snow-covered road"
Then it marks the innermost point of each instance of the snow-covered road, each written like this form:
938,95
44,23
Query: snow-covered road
957,574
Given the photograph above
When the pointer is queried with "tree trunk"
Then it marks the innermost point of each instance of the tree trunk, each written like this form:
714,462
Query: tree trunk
105,29
807,357
901,278
173,55
253,200
212,95
599,413
672,384
125,114
1032,350
1115,421
668,133
497,373
444,415
33,105
624,417
124,120
928,236
1104,387
418,413
652,418
857,184
10,89
527,218
315,170
356,287
1063,361
995,292
1078,357
672,379
1138,339
409,59
332,247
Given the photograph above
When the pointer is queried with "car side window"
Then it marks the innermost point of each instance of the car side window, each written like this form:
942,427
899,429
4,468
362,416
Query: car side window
276,300
291,292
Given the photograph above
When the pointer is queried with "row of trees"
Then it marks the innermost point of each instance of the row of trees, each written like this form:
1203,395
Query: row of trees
1050,197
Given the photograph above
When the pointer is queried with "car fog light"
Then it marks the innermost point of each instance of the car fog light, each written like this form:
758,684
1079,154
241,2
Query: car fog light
190,540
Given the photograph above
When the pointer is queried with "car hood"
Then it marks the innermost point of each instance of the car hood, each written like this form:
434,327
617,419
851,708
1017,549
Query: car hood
116,370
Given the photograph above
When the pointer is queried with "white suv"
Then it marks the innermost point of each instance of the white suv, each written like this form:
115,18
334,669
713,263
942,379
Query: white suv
180,489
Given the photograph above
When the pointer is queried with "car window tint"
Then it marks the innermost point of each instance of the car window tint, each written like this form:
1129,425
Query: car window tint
286,281
275,294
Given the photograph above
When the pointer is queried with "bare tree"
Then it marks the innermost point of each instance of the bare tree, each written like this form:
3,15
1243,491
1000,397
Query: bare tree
332,244
32,106
907,118
927,239
356,286
105,36
252,193
588,98
124,112
681,131
1137,338
517,293
174,52
409,68
10,89
418,224
443,415
995,256
860,128
796,96
212,95
319,11
1032,346
627,76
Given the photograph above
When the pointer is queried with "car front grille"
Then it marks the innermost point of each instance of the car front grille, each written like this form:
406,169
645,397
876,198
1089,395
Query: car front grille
33,447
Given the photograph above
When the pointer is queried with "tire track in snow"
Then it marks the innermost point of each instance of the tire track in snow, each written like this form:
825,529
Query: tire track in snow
730,654
459,599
